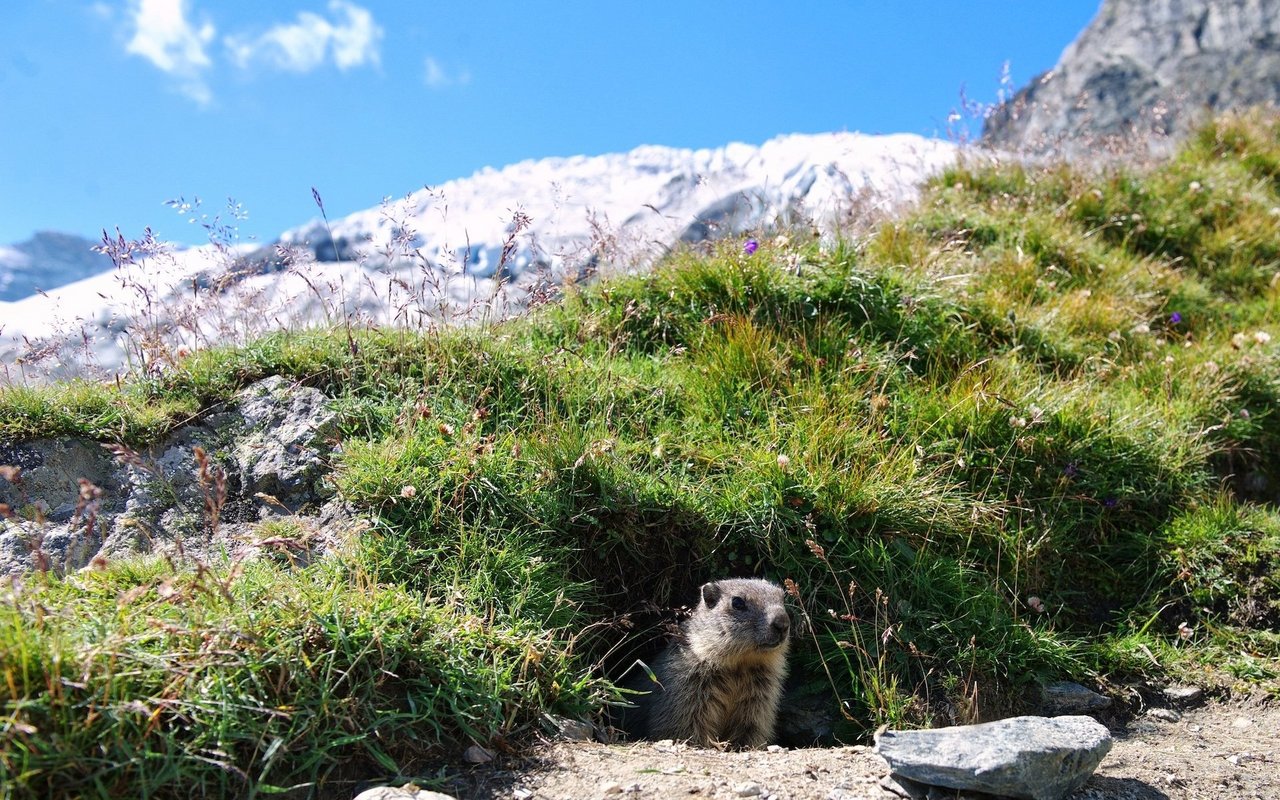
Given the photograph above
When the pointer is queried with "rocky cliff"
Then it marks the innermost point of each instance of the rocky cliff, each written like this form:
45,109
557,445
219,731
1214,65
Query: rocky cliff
1147,70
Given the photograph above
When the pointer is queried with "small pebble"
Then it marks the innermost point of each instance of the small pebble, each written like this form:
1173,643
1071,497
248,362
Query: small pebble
475,754
775,748
1164,714
1184,694
574,730
611,787
748,790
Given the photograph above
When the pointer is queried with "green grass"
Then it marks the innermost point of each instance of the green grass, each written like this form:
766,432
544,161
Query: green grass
1028,432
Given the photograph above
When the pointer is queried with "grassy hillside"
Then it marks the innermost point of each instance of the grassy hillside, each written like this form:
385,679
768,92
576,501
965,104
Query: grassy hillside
1027,433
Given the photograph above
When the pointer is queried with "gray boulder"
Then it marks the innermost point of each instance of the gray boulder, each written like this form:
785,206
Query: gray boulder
1037,758
1146,69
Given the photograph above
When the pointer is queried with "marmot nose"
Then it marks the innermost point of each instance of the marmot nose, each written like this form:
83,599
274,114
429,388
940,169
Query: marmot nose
780,624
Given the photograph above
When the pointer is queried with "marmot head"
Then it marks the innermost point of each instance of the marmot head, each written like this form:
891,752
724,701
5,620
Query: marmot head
739,618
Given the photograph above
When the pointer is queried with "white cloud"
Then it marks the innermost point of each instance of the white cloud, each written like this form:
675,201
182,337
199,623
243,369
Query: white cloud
437,77
164,35
353,39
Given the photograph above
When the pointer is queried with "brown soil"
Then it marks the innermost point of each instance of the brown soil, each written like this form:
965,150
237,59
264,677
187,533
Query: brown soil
1222,750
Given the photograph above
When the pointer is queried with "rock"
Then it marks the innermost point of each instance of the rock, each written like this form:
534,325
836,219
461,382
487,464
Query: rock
904,787
1067,698
1038,758
1144,69
574,730
406,792
1184,695
748,790
264,461
1164,714
31,547
475,754
49,475
284,454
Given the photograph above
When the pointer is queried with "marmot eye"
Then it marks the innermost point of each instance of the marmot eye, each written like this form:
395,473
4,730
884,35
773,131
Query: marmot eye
739,604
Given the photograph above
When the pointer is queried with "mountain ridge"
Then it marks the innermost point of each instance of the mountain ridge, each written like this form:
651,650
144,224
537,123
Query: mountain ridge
45,261
472,247
1146,71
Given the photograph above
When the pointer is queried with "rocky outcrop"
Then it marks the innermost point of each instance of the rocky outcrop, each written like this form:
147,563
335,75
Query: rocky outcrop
1146,70
244,482
1028,757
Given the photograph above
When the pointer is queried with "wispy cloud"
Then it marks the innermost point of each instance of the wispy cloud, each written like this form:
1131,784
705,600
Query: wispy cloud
178,41
164,35
435,76
351,38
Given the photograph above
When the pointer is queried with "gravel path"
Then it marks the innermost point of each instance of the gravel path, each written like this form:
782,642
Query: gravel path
1221,750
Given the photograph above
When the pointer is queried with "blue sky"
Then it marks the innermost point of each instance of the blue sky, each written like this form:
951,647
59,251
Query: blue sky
108,108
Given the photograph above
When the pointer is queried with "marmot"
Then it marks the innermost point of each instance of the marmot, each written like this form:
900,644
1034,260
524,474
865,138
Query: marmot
720,682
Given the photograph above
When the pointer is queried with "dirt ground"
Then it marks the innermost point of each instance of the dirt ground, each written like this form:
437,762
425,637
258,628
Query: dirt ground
1220,750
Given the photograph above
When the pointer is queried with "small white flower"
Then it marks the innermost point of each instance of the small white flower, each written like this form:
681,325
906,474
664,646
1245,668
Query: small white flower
1194,186
1261,337
408,491
1237,341
783,462
1142,328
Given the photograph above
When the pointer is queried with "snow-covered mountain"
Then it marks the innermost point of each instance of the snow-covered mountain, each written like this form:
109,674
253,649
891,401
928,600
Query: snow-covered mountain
469,248
46,261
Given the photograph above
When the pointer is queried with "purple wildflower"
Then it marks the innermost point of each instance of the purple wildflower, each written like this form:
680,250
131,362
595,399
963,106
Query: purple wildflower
1175,318
751,246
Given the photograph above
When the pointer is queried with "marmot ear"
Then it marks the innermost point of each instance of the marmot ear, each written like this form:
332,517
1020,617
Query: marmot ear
711,593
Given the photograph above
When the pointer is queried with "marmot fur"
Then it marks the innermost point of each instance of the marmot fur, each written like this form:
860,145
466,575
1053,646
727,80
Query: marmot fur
720,682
